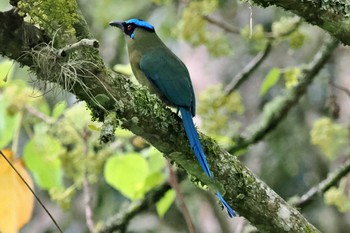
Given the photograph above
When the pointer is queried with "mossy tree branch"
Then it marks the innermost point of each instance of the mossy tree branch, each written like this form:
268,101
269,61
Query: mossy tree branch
319,189
331,15
144,115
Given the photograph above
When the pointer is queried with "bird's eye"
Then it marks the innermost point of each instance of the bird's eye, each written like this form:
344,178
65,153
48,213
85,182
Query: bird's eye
129,27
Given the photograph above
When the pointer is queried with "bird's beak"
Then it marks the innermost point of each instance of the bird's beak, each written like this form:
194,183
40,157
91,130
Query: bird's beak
117,24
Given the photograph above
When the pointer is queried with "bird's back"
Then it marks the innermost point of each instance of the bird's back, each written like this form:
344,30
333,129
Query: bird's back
156,66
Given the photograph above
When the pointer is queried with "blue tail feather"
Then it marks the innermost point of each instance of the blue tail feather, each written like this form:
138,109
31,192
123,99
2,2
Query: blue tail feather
193,138
229,210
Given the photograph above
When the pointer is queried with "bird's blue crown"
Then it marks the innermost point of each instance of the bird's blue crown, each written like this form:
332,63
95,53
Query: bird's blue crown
140,23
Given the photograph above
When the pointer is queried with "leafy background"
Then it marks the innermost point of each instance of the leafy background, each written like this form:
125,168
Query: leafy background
54,139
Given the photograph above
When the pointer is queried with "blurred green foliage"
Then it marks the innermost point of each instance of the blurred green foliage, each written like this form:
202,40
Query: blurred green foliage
291,76
255,37
42,157
330,137
284,26
192,27
217,111
339,197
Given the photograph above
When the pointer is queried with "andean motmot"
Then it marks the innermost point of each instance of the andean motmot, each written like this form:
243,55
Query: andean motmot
157,67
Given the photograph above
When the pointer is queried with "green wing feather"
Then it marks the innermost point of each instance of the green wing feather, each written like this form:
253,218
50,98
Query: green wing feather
168,74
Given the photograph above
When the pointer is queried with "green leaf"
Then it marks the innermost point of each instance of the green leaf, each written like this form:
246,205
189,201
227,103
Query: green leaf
94,127
123,69
123,133
156,160
41,155
152,180
270,80
127,174
78,116
42,105
8,124
164,204
59,109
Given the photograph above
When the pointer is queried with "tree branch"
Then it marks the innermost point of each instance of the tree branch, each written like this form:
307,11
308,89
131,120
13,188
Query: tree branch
331,180
245,73
224,26
72,47
345,90
17,36
86,188
332,16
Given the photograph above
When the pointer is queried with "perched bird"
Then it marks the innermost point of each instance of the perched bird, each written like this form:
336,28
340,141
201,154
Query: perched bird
157,67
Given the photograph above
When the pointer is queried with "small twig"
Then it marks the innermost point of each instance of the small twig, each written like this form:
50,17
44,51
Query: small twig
222,25
245,73
71,48
34,112
32,191
180,199
87,203
86,189
331,180
347,91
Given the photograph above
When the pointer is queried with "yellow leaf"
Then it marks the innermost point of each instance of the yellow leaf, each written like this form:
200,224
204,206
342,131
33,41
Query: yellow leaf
16,201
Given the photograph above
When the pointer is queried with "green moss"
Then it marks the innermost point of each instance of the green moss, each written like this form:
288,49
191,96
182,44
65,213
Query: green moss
108,128
339,7
103,100
53,16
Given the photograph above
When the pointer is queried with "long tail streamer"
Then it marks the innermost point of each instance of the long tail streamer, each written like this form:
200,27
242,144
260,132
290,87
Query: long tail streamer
193,138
